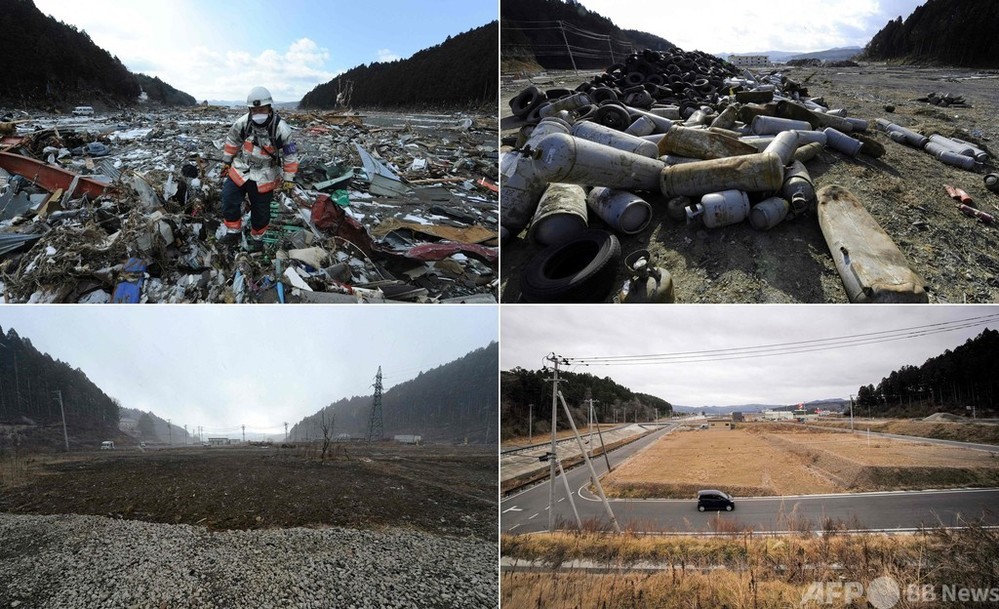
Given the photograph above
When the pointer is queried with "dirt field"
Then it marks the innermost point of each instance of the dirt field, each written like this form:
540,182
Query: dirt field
903,190
765,460
439,489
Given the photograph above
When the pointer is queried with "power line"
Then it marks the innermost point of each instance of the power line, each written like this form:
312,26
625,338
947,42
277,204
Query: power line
786,348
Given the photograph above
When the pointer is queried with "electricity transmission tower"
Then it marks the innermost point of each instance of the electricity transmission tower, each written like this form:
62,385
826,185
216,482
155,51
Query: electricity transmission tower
376,428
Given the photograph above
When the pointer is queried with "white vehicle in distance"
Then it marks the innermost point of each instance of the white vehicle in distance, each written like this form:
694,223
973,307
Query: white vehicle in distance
107,445
83,110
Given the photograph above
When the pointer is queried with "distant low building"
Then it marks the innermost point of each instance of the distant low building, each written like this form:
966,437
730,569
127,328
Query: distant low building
778,415
749,61
738,416
219,441
408,438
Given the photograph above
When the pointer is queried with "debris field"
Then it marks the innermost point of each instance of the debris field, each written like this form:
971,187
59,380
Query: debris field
655,180
125,207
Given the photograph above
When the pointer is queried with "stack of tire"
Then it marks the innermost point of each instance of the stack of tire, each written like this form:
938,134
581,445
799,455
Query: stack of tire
687,79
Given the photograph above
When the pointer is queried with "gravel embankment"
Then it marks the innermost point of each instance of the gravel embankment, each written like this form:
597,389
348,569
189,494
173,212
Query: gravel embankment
73,561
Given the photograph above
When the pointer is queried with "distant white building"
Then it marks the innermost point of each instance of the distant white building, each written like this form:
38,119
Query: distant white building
749,61
778,415
408,438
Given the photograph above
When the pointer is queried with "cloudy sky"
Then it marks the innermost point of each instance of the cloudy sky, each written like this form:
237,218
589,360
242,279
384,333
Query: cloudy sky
529,333
738,26
225,366
220,49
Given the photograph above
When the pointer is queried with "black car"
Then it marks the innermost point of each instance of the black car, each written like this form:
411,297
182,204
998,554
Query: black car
714,500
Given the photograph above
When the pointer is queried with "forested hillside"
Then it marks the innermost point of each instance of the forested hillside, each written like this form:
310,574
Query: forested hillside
162,93
450,403
557,34
50,63
953,381
460,72
29,381
520,388
147,427
942,32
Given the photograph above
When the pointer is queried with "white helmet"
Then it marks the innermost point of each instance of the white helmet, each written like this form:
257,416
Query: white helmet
259,96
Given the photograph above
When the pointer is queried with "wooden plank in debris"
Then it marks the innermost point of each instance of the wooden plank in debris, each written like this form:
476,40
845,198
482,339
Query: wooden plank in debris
871,266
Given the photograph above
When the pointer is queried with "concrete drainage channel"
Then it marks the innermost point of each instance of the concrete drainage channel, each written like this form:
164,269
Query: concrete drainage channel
712,144
125,207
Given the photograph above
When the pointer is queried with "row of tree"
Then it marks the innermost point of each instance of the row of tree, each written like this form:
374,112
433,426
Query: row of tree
461,72
942,31
526,398
967,377
50,62
31,384
450,403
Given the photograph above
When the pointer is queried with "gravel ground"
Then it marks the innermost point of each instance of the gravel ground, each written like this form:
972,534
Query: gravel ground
73,561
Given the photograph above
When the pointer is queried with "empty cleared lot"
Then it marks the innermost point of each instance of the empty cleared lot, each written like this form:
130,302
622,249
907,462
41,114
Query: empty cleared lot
766,460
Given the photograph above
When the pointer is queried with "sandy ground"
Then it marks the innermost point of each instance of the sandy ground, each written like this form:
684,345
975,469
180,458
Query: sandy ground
903,190
745,461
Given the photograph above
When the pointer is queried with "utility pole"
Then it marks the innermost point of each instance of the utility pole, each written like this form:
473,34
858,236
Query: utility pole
561,26
530,422
186,435
170,430
589,464
62,410
552,458
244,434
286,431
591,414
851,414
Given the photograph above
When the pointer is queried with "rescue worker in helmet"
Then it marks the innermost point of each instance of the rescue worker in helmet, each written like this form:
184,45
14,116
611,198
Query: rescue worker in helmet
258,157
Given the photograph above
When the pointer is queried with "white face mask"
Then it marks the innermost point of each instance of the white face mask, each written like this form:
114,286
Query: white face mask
260,119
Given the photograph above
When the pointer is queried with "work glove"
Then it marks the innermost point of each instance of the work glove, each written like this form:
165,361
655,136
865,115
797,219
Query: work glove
224,172
288,186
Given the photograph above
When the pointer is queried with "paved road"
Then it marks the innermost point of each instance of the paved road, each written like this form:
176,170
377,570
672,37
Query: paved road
527,511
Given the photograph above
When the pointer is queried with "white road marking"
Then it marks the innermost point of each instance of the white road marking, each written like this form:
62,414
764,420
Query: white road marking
533,517
513,509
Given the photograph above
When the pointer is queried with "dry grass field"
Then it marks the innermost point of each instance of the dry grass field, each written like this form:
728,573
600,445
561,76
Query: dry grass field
767,460
983,433
739,572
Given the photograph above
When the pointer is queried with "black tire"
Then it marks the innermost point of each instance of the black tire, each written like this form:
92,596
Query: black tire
700,508
553,94
525,101
634,78
580,270
602,94
613,116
